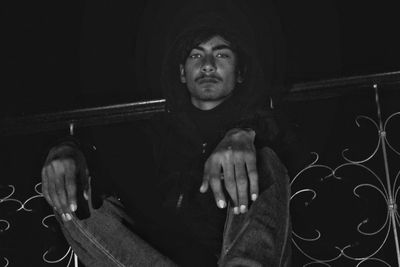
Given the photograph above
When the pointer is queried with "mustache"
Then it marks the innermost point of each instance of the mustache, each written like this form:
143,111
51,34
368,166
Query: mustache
208,78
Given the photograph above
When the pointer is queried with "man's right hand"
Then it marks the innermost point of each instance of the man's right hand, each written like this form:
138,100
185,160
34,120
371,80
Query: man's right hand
59,185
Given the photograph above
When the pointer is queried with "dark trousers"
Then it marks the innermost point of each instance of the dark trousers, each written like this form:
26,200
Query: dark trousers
260,237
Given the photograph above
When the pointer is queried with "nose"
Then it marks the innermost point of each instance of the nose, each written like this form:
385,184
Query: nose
208,64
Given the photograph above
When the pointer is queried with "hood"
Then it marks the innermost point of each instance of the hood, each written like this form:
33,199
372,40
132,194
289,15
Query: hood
262,49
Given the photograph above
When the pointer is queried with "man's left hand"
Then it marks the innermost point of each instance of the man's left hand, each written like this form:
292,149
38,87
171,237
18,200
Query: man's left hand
233,164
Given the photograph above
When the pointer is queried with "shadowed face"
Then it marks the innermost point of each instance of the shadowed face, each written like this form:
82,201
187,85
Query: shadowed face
209,73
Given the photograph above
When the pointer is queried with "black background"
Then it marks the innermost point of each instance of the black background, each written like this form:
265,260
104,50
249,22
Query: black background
55,54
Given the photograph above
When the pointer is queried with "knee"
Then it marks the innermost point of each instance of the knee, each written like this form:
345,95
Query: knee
271,170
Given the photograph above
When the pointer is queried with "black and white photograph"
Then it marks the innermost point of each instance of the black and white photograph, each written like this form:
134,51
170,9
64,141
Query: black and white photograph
200,133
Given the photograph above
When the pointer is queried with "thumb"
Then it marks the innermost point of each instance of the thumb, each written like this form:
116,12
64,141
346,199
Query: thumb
204,185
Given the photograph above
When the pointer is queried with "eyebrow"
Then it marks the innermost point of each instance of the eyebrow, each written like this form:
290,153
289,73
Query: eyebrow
214,48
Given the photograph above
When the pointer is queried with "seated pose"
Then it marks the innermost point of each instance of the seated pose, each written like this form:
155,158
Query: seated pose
215,193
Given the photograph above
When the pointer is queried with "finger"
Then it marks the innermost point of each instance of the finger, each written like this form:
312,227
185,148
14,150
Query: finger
229,181
242,185
45,186
206,177
60,169
252,173
230,184
52,188
70,186
216,187
214,175
86,192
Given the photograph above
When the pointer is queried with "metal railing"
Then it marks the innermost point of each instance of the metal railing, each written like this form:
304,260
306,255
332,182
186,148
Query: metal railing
138,110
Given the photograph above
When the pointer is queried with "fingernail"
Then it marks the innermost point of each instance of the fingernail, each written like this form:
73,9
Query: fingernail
73,207
254,197
85,195
63,217
243,208
236,210
68,217
221,204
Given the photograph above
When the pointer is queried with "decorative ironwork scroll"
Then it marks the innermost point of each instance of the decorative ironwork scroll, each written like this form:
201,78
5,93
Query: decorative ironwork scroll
386,188
69,256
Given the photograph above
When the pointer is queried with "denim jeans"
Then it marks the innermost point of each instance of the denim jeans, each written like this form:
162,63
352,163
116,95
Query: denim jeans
260,237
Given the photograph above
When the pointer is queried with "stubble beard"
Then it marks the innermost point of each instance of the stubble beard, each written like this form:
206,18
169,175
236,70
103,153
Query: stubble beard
209,93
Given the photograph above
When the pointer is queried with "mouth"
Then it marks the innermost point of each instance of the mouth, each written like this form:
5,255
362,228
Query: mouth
207,80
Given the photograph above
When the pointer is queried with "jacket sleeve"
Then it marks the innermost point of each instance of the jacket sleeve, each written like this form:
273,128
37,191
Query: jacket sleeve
83,152
273,129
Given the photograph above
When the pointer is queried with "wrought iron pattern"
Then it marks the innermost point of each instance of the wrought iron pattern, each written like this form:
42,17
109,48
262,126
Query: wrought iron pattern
68,259
386,186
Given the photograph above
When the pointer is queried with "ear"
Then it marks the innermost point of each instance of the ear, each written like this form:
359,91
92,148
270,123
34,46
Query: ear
241,73
182,73
239,78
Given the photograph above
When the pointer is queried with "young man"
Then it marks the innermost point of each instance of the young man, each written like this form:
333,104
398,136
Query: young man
208,201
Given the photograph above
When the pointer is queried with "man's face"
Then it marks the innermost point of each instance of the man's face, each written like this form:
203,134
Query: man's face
209,73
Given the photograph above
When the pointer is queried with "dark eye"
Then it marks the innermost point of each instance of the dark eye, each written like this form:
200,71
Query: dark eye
222,55
196,55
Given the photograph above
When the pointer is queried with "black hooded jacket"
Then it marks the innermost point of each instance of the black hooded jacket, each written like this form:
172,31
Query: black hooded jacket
184,137
250,104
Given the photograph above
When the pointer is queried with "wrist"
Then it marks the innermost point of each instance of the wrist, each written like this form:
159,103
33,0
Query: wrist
64,151
241,132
